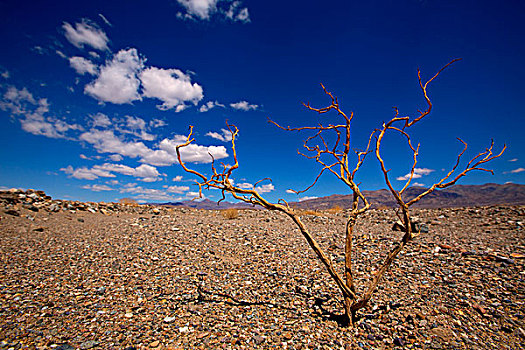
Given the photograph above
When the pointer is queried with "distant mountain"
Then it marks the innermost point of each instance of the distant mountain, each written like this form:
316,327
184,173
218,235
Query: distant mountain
454,196
206,204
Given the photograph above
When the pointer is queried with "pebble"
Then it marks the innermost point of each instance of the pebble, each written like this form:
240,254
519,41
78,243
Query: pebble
124,278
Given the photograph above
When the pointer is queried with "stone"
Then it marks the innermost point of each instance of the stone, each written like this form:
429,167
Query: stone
12,212
88,344
154,344
258,339
64,347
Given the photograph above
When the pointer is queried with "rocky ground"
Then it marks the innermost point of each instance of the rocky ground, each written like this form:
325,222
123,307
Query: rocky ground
110,276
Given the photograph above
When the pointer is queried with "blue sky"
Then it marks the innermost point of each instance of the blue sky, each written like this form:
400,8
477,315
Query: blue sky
95,95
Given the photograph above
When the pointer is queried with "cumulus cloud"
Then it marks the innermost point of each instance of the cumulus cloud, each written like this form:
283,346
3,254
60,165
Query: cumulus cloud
265,188
177,178
204,9
33,114
177,189
83,66
116,157
151,194
105,141
418,173
5,74
243,106
166,153
171,86
117,81
224,135
143,172
97,188
210,105
245,186
86,33
157,123
100,120
137,127
85,173
201,9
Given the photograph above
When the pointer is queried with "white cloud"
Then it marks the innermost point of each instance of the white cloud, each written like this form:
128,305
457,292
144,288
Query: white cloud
418,184
34,114
100,119
97,188
117,81
137,127
244,106
143,172
245,186
516,171
209,105
152,194
513,160
265,188
306,198
204,9
116,157
83,66
243,15
235,13
105,20
82,156
224,136
418,173
157,123
193,153
290,191
177,189
5,74
201,9
171,86
177,178
105,141
85,173
85,33
61,54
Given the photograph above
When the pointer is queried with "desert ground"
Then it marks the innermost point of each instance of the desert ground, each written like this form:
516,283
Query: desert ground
113,276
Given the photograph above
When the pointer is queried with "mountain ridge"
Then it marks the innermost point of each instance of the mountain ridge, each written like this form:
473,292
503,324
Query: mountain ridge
451,197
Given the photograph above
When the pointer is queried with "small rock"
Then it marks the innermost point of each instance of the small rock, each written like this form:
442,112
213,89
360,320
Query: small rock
169,319
88,344
12,212
399,342
258,339
154,344
64,347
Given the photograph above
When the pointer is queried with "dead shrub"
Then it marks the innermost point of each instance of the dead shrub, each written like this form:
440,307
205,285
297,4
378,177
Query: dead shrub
230,213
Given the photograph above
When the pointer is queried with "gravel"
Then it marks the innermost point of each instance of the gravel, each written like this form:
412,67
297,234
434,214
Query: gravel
138,277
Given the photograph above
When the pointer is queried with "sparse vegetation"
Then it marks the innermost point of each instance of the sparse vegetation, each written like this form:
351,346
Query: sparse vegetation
335,210
129,201
334,157
230,213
